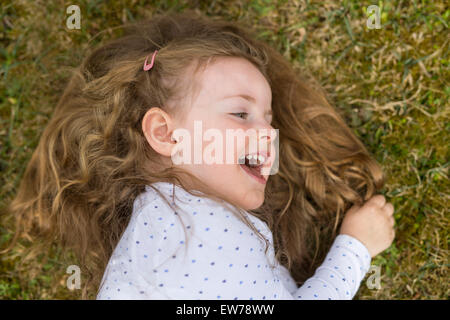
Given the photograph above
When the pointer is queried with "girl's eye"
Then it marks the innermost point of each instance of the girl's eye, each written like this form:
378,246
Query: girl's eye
240,113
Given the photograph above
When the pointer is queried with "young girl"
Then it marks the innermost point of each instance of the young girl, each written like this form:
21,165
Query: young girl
103,181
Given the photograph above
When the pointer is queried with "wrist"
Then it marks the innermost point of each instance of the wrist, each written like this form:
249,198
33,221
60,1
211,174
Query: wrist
359,241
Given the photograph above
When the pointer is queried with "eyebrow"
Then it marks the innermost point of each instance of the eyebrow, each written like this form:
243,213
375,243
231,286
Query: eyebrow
246,97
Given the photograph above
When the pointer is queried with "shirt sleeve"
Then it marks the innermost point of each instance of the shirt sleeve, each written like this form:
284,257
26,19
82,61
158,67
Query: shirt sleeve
130,273
341,273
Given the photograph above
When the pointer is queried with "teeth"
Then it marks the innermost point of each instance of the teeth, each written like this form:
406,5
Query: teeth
261,159
252,159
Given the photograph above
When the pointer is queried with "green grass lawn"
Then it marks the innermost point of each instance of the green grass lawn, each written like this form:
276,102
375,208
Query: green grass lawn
391,84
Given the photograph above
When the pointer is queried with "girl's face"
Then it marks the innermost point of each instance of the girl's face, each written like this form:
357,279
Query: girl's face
233,95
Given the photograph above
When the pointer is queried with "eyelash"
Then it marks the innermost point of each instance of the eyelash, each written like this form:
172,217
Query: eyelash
240,113
247,115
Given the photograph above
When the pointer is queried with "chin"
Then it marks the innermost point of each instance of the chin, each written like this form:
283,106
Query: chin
255,202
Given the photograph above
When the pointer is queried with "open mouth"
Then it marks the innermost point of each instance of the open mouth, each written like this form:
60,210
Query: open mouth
253,164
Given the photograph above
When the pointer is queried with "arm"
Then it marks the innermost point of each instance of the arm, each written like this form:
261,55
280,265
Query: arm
340,274
365,232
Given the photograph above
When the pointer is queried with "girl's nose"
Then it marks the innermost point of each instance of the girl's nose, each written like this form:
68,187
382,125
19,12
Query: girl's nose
263,138
268,132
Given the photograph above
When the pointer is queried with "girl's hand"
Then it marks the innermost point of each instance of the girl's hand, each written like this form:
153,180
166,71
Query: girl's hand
372,224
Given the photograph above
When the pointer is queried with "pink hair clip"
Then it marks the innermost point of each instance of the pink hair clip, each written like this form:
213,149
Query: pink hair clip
149,66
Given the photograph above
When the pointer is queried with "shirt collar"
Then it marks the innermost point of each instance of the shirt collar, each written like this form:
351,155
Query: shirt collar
167,188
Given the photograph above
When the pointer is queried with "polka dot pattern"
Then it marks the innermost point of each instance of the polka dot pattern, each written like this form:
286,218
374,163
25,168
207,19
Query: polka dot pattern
203,251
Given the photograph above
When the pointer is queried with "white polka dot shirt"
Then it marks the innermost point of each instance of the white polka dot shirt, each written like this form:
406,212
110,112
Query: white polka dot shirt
205,252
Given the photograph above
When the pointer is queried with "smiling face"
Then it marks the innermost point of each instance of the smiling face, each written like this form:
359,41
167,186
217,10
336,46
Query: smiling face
233,95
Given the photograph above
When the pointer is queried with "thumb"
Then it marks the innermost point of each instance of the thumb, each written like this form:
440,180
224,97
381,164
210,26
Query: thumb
353,209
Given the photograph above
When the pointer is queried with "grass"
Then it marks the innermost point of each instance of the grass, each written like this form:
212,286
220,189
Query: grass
391,84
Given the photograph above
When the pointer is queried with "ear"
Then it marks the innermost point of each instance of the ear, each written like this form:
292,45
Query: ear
158,128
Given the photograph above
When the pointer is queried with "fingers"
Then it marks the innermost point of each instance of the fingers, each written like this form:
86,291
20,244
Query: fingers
392,221
354,208
378,199
389,208
392,235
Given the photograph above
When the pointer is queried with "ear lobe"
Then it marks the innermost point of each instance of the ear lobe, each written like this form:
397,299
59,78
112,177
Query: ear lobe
157,127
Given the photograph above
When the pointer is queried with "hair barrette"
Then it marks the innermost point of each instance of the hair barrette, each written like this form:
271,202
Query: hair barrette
149,66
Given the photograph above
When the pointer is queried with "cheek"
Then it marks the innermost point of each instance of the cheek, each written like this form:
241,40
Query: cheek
228,148
239,140
232,183
224,175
